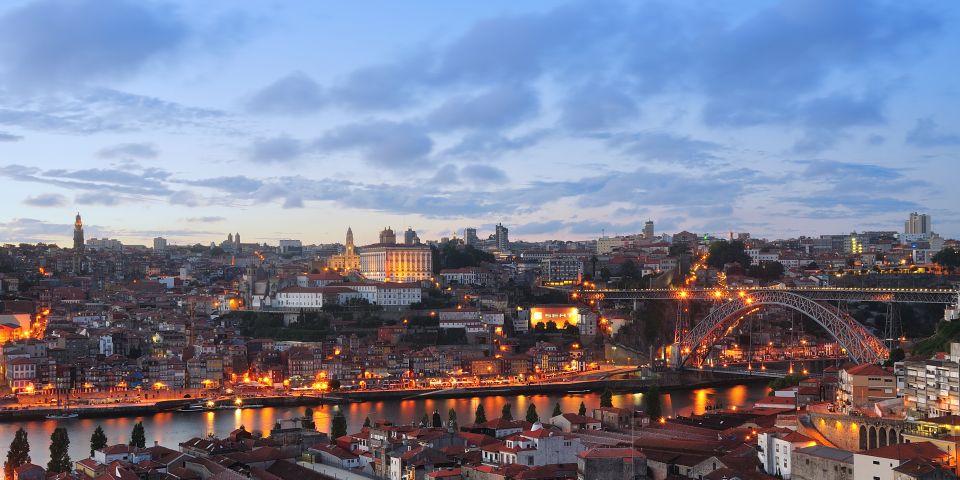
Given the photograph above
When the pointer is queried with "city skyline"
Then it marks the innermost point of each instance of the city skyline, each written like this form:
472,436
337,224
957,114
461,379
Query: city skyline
561,120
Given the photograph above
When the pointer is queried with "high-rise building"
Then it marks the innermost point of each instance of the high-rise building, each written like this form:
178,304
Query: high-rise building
410,237
78,234
918,224
470,236
387,236
648,229
501,237
159,244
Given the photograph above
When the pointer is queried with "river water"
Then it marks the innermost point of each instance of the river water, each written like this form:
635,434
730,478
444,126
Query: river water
169,429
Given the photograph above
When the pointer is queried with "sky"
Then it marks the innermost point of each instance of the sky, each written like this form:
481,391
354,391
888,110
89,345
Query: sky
568,120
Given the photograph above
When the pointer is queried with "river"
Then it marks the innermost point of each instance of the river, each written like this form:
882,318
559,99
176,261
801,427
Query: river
169,429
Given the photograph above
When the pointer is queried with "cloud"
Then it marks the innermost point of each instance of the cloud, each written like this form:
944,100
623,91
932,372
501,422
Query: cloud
89,111
145,182
294,94
187,198
499,107
927,133
98,198
278,149
446,175
129,150
207,219
666,147
52,42
236,183
9,137
483,174
597,107
31,230
382,143
487,145
46,200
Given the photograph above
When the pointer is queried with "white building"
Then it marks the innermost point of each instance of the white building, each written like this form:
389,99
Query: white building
392,262
932,387
106,345
878,463
534,448
776,448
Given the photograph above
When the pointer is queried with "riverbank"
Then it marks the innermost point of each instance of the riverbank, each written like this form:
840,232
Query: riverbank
669,381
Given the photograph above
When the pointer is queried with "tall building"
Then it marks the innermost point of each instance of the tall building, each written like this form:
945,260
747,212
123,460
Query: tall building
918,224
648,229
78,234
410,237
501,237
236,243
387,236
470,236
348,260
932,387
159,244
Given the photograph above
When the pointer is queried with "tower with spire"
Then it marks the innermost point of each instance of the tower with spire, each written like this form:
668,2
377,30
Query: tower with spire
349,260
78,244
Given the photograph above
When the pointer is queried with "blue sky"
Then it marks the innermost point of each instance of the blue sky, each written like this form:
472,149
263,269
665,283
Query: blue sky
559,119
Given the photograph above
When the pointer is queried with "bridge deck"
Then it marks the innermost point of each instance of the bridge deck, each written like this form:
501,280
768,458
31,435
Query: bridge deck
896,295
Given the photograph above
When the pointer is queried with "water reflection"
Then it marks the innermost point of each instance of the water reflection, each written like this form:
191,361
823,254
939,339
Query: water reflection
172,428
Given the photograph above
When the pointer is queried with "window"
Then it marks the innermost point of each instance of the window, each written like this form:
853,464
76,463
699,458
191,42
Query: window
876,462
530,462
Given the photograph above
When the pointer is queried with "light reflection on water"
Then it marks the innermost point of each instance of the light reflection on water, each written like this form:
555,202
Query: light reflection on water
171,428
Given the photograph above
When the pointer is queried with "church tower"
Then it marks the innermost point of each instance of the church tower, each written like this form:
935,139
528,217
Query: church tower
349,245
78,234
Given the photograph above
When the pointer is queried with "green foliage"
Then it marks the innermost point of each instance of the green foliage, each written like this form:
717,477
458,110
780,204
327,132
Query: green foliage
437,420
506,412
424,420
723,252
338,426
366,423
652,403
532,415
98,440
307,420
766,271
138,437
791,380
456,256
940,342
480,416
452,419
557,411
18,454
583,410
948,258
606,398
896,355
59,454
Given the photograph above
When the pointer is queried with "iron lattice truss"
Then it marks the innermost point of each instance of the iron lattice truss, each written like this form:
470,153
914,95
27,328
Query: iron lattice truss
895,295
860,344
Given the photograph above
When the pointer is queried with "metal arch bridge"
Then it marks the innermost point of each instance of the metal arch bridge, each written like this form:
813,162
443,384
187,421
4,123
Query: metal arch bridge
695,345
895,295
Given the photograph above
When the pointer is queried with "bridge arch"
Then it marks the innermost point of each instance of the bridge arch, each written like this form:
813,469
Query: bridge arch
860,344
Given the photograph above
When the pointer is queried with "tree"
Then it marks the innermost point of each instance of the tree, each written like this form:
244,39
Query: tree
532,415
366,423
98,440
556,410
652,401
338,426
505,413
766,271
896,355
437,420
948,258
723,252
480,416
583,410
59,452
307,420
424,420
452,419
138,437
18,454
606,398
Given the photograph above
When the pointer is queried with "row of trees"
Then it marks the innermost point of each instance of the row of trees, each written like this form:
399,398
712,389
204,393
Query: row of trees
19,452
